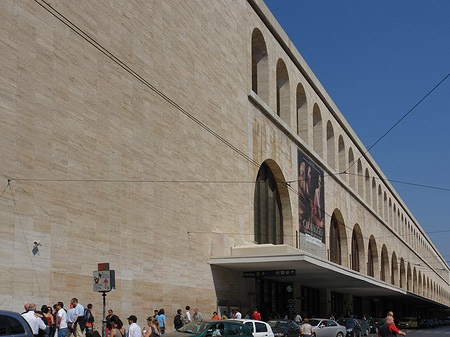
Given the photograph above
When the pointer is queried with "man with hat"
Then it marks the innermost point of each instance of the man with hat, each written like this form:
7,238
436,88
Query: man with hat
134,330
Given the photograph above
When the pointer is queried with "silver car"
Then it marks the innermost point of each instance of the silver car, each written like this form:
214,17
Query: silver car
13,324
326,328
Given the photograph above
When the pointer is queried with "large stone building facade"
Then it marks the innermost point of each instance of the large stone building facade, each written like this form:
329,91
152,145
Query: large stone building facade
188,144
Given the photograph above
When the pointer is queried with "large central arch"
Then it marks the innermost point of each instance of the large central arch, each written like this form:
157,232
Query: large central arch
338,251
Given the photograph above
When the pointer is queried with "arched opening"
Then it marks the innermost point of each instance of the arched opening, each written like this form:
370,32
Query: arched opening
338,239
384,270
394,269
357,249
380,201
428,288
317,131
372,257
302,113
402,282
260,66
283,92
341,154
367,182
350,170
374,194
331,147
268,207
414,284
424,286
385,207
419,281
408,277
389,218
360,178
394,218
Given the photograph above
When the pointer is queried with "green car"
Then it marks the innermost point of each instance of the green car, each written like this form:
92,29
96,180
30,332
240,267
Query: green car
212,328
407,323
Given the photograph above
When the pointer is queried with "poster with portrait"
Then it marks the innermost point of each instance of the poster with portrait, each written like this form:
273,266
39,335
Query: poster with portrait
311,208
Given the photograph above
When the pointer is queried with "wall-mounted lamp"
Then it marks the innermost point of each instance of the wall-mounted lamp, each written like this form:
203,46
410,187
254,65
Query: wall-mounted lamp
36,244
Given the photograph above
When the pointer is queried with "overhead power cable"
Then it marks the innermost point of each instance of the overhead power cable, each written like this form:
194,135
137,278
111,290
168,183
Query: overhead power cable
399,121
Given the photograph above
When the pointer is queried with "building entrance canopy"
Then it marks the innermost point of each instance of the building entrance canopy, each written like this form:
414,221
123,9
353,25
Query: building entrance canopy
311,271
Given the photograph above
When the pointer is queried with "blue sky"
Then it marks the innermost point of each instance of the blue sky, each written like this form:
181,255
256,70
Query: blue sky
377,59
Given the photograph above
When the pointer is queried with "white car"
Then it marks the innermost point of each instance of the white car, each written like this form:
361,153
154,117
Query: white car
258,328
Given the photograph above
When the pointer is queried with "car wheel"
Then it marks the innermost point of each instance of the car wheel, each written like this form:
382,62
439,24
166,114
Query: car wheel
339,334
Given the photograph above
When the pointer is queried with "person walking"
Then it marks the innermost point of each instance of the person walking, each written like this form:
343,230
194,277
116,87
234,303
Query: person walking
224,315
108,321
35,323
117,327
61,320
238,314
197,315
51,321
89,318
215,317
306,330
187,315
152,330
162,321
78,323
256,315
178,320
134,330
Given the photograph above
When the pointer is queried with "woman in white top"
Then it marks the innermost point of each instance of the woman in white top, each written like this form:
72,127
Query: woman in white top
306,328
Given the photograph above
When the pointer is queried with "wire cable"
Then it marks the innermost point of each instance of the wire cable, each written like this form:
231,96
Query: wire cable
9,182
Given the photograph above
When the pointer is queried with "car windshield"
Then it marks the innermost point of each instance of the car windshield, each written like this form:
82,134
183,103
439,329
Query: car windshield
314,322
195,327
348,323
278,324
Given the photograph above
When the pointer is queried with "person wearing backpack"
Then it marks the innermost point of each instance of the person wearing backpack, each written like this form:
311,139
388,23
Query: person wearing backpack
178,320
89,317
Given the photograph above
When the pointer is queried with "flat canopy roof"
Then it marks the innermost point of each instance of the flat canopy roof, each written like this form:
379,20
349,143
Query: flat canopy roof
310,271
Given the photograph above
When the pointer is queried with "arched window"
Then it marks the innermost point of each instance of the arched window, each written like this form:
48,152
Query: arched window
331,147
317,131
360,178
341,154
389,217
338,239
260,66
283,92
384,263
402,282
380,201
394,269
268,211
372,257
374,194
414,287
357,249
350,169
408,277
367,181
302,113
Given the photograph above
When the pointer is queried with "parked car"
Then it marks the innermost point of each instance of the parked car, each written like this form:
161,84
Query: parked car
13,324
212,328
352,326
257,328
429,323
375,323
284,328
408,323
326,328
365,327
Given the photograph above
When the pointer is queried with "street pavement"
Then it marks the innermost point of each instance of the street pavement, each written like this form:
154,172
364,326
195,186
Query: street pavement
437,332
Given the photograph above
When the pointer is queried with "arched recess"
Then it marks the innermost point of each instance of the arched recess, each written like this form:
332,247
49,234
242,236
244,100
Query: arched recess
372,258
419,283
367,182
331,146
350,170
283,92
394,270
357,253
389,217
424,286
360,178
374,195
402,281
317,131
385,207
272,210
384,264
394,218
428,288
341,155
338,239
414,283
260,66
380,201
408,277
302,113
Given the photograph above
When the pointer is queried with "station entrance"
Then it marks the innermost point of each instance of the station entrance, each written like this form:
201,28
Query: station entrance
274,298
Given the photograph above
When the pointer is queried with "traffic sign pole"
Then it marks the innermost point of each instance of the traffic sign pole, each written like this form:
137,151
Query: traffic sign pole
104,315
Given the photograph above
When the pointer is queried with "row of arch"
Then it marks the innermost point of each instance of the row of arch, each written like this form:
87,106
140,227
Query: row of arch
272,218
338,155
377,262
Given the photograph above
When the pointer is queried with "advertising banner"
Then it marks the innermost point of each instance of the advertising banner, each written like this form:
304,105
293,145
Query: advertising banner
311,198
